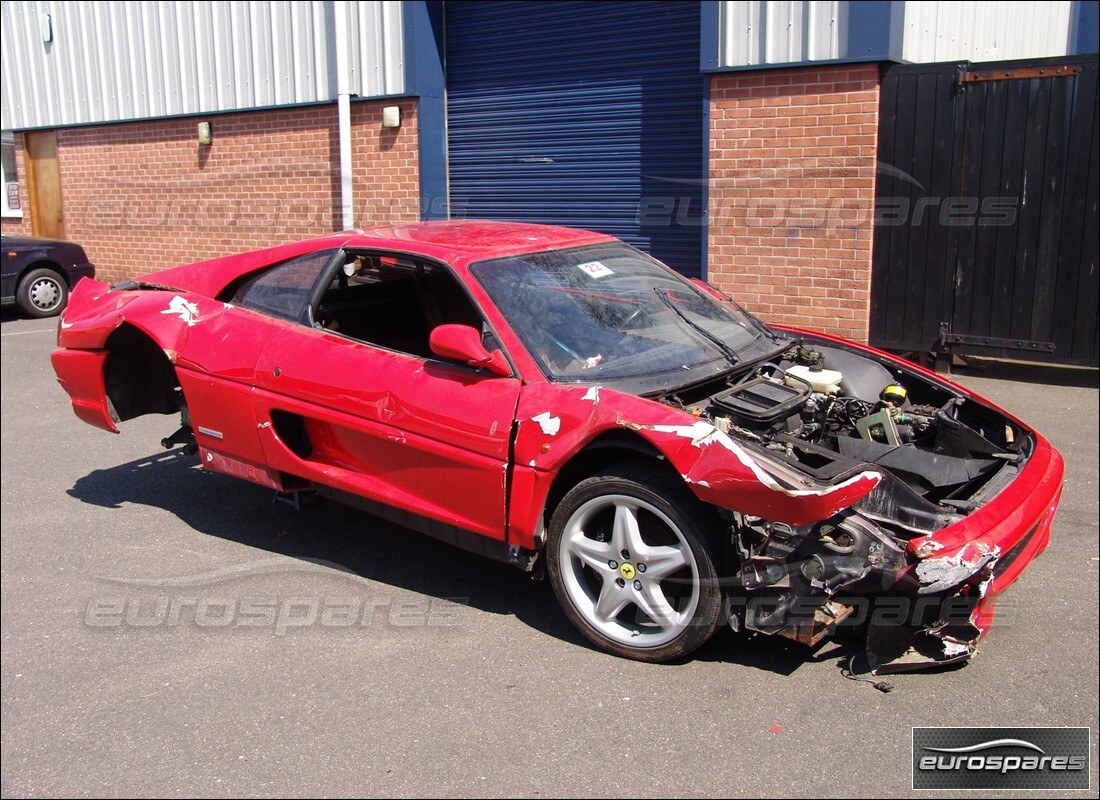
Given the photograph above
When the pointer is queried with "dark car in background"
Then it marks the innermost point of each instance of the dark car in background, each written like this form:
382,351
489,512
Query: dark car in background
38,273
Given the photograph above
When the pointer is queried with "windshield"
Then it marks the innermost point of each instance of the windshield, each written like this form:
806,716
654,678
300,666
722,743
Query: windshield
608,312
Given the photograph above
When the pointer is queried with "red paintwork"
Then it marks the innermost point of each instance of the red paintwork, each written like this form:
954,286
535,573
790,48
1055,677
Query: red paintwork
1027,506
238,468
442,440
80,373
207,278
427,437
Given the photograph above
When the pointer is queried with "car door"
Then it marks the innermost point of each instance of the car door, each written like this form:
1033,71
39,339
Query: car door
220,344
362,405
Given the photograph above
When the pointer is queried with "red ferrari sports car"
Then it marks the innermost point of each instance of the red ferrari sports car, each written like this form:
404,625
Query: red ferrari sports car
556,399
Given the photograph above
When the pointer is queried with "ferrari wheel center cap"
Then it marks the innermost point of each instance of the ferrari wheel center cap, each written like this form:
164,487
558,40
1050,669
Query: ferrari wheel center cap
627,571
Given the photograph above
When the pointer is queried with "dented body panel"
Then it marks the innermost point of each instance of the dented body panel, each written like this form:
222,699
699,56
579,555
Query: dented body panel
717,469
824,489
429,438
80,373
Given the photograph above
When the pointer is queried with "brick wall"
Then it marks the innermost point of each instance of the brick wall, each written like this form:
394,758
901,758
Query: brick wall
792,180
387,179
142,196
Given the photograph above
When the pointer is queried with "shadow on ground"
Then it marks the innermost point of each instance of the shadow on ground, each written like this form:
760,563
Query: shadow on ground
346,540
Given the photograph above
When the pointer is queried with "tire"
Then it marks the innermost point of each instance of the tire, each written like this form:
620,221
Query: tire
660,599
42,293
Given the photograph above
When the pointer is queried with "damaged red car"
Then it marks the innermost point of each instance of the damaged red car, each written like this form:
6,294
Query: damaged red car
558,400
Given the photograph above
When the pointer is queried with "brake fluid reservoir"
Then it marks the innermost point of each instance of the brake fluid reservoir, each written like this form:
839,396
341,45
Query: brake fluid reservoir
826,381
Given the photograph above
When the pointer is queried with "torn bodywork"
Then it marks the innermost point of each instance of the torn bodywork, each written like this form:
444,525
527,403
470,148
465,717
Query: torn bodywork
849,487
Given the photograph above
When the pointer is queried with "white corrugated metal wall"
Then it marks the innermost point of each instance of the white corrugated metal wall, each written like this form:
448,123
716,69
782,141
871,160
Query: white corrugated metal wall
109,61
767,32
989,31
782,32
376,48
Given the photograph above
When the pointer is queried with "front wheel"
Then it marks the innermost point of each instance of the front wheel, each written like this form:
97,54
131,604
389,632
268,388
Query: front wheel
631,562
42,293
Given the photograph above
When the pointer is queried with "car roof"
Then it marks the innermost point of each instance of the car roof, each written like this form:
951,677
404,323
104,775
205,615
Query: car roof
454,240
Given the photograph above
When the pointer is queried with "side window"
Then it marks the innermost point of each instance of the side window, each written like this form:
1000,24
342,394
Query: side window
394,302
283,290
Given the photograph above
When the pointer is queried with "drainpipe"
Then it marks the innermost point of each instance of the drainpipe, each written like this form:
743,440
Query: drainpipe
343,111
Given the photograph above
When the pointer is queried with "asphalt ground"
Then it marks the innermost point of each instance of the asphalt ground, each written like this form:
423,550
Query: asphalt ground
171,632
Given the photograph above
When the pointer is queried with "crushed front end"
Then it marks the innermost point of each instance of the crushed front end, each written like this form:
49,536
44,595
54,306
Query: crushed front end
933,501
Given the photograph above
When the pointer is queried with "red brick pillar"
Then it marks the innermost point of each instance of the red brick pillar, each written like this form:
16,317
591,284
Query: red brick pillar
792,185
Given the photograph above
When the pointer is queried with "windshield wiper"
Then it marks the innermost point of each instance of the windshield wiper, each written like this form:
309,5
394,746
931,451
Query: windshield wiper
727,351
757,323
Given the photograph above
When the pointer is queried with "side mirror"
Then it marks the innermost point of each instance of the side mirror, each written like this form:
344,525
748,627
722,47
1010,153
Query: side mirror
463,343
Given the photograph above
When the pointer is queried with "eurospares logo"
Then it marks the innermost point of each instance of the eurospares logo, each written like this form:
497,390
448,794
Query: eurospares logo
1001,758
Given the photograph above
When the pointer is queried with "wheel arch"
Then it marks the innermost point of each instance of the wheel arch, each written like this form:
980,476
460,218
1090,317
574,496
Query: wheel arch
603,451
43,263
139,376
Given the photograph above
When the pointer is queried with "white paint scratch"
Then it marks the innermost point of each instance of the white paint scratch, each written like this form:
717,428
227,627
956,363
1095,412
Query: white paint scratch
550,425
592,394
184,309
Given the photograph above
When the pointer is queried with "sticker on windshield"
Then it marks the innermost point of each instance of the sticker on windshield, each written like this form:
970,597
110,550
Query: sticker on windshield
594,269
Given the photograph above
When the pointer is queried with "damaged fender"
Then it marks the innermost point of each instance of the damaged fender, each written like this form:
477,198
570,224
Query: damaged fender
743,482
718,469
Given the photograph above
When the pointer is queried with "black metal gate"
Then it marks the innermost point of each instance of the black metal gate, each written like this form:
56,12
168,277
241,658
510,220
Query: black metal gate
986,210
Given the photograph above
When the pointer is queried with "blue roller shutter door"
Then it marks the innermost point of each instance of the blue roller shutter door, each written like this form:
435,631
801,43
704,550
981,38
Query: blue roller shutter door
582,114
